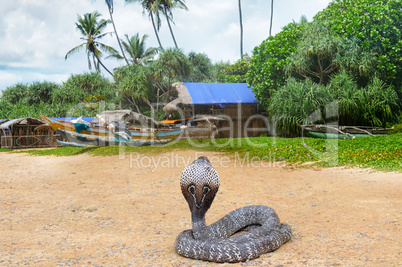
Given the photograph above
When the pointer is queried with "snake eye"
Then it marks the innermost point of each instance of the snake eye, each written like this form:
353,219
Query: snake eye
191,189
206,189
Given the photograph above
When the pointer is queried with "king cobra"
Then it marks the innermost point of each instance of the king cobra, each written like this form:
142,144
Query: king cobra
199,185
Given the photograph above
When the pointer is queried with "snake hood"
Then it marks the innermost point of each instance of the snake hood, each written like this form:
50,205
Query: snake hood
199,184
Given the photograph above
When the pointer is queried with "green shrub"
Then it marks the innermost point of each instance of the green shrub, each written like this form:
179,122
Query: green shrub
79,86
15,93
298,103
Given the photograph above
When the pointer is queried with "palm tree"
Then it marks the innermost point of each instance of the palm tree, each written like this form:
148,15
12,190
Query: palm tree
135,48
272,15
167,6
92,30
241,31
109,4
152,7
175,65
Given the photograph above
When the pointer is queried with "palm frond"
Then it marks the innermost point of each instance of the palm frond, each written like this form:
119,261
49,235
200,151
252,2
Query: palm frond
74,50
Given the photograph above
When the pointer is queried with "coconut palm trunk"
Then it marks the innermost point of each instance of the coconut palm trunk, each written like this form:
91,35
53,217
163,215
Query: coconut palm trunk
170,27
100,62
117,36
156,31
272,15
241,31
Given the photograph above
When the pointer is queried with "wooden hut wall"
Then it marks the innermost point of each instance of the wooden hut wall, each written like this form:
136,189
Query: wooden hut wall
25,136
239,115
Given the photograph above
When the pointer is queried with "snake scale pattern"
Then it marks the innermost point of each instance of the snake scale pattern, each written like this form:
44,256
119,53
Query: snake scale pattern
199,184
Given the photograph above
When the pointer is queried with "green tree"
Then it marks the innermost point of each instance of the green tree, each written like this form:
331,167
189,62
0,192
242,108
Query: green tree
174,64
80,86
14,93
5,109
377,25
41,92
378,104
298,102
133,84
136,49
152,7
200,67
217,71
320,53
237,73
267,70
92,31
344,89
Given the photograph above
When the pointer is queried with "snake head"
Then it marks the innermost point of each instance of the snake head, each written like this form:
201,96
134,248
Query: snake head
199,184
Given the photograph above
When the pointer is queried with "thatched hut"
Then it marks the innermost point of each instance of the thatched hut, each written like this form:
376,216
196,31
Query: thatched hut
232,108
27,133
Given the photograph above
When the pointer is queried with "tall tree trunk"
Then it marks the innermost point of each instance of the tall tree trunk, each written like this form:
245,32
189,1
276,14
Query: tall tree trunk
155,116
156,32
135,104
100,62
117,36
241,31
170,27
272,15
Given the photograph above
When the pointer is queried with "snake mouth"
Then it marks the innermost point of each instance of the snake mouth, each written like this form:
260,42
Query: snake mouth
198,205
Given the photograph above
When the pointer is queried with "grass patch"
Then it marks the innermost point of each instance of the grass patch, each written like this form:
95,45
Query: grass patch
381,152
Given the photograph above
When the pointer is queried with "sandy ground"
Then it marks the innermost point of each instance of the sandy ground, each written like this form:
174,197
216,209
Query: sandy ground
127,211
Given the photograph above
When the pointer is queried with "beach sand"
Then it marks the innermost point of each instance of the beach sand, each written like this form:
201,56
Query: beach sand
127,210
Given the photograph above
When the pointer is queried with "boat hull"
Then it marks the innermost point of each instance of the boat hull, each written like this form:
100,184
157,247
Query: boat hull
334,136
150,135
94,140
342,132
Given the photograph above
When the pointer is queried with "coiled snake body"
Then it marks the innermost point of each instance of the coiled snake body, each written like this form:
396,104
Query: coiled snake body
199,184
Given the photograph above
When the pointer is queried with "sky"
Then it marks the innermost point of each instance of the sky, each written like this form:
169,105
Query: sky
35,35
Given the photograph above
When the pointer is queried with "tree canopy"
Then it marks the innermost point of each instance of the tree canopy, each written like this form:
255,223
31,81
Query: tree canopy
350,54
377,24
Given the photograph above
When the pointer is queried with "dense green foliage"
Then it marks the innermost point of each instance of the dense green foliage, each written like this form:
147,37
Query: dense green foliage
80,95
320,53
380,153
345,65
306,102
349,57
377,24
201,67
298,102
79,86
133,85
267,70
237,73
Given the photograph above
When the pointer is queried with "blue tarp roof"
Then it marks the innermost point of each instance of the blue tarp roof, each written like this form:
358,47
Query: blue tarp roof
220,93
87,119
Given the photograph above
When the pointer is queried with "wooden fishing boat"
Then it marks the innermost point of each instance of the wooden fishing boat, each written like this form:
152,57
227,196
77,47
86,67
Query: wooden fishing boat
144,134
342,132
96,140
69,126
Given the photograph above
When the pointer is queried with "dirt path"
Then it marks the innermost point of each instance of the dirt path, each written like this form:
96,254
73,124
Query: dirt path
102,211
